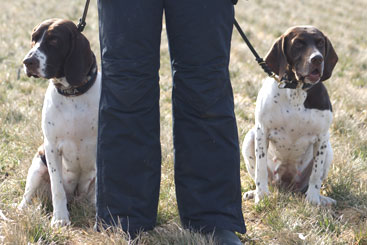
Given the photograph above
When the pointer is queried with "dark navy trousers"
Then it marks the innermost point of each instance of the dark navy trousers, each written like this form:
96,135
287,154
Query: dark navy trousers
207,158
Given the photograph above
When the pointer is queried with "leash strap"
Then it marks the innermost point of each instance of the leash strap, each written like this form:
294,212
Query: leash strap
259,60
282,82
82,22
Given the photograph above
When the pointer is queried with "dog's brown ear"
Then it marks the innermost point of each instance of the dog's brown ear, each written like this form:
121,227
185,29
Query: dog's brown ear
331,58
276,58
79,60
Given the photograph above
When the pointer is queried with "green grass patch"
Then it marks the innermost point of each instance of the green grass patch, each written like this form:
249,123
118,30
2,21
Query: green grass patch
360,236
361,151
274,220
327,224
14,117
42,234
267,204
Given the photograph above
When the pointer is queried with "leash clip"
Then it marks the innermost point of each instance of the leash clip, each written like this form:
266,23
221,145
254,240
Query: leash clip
281,83
81,25
82,22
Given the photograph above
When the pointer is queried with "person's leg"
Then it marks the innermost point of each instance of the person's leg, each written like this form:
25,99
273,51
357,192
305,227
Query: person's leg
207,158
129,154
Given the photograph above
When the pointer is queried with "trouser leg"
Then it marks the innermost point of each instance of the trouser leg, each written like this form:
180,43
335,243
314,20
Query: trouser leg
207,158
128,154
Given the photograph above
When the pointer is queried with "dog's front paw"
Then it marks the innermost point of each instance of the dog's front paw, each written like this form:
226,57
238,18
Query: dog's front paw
248,195
260,194
60,219
327,201
22,204
315,198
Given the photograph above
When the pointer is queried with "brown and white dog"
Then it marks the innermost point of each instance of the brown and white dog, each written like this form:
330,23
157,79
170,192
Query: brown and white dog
289,144
62,54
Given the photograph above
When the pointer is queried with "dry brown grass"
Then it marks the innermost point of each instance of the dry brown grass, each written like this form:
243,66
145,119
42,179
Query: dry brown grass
282,218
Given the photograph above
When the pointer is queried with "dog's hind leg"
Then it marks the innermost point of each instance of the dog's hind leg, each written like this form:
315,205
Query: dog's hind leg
86,187
248,152
37,174
328,160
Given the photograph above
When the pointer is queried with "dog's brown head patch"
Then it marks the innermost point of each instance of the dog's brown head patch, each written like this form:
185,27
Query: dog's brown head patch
304,52
66,50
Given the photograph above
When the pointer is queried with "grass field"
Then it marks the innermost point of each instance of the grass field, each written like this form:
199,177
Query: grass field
282,218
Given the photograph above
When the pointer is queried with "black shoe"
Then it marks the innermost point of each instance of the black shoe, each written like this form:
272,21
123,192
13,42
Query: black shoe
226,237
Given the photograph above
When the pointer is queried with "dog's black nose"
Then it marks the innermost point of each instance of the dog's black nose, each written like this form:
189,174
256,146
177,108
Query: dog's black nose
31,65
30,61
317,59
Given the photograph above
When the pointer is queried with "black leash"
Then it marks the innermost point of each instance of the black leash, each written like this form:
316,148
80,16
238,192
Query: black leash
82,22
259,60
283,82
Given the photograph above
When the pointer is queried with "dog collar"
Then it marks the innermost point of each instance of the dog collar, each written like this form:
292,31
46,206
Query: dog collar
285,82
76,91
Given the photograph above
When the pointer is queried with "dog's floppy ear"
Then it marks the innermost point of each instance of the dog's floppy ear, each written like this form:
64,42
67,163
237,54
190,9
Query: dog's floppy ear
78,60
331,58
276,58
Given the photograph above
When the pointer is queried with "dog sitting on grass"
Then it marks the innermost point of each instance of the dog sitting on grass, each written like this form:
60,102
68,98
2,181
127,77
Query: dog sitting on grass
289,144
67,159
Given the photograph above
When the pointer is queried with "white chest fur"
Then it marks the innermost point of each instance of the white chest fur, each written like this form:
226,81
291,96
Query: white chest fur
291,128
70,118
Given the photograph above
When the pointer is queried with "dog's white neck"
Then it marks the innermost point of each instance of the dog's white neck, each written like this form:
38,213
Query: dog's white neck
296,96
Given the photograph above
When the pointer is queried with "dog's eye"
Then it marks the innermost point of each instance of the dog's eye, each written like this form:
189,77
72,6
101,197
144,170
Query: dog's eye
298,44
320,43
53,41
